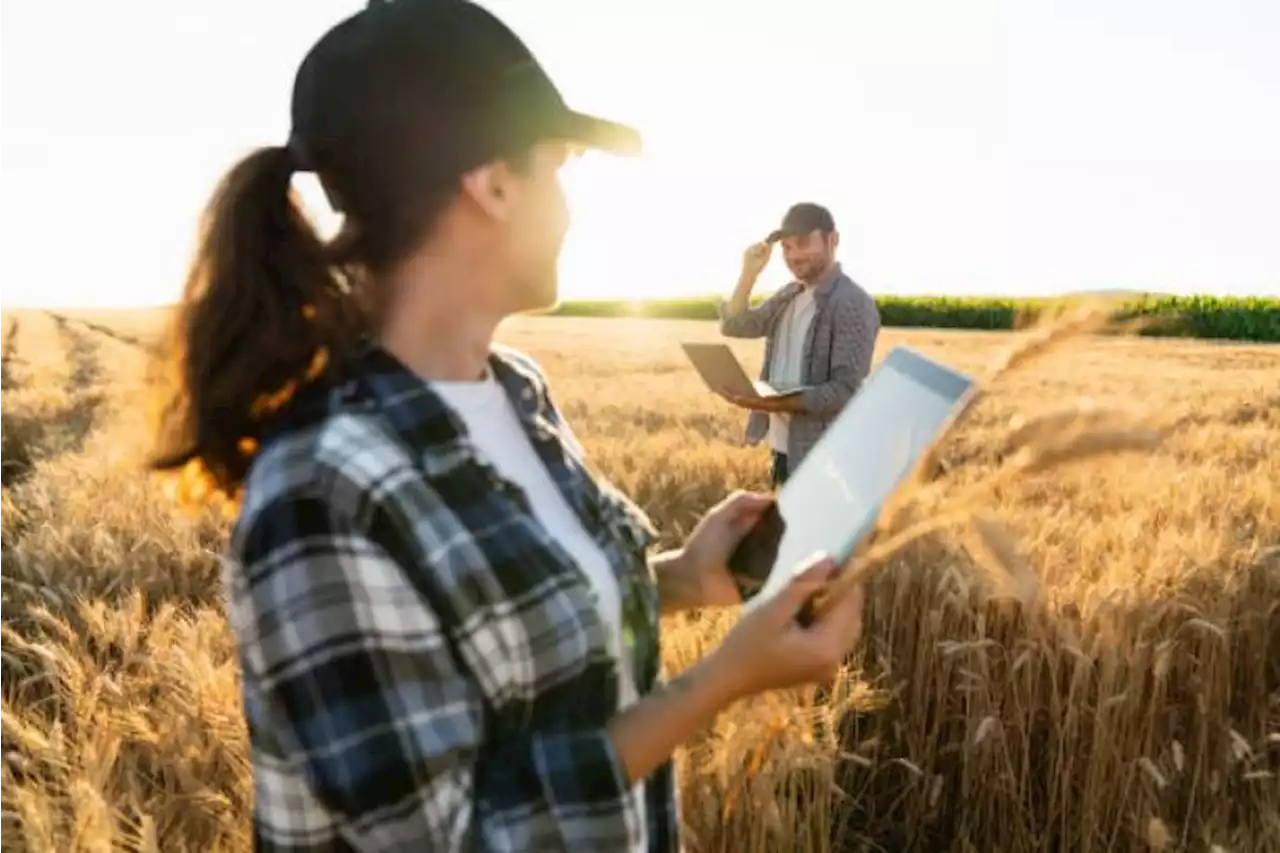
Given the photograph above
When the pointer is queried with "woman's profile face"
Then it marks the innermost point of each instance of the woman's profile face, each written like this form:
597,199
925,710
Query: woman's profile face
536,228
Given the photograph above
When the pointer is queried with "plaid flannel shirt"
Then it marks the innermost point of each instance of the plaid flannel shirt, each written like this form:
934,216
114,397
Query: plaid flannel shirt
837,354
424,667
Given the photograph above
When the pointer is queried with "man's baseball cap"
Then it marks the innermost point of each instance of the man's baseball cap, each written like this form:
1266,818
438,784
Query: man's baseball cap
436,87
803,218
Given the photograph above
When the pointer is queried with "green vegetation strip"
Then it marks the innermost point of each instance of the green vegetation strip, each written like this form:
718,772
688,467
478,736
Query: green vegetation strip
1255,318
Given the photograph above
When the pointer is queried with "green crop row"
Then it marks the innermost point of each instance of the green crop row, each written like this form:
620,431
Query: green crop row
1255,318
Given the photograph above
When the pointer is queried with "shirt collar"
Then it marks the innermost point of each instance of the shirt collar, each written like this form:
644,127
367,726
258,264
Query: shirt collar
418,415
824,285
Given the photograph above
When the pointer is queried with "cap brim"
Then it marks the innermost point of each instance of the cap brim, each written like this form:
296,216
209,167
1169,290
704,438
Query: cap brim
777,235
600,133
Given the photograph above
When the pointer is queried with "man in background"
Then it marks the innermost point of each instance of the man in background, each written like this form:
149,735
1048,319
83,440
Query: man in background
820,333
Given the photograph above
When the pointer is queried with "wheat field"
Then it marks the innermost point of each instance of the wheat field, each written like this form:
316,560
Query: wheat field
1131,703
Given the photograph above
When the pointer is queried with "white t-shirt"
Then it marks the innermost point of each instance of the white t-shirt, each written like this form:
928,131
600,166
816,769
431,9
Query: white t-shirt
786,366
494,428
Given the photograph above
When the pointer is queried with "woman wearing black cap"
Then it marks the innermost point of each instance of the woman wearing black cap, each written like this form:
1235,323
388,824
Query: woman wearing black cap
448,628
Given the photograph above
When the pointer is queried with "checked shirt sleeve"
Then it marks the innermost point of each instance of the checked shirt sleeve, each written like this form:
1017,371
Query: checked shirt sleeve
359,691
753,322
856,323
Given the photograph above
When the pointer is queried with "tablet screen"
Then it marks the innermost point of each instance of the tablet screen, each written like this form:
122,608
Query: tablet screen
835,495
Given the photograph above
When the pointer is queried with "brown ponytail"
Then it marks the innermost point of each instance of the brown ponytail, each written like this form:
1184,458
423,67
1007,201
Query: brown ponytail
264,312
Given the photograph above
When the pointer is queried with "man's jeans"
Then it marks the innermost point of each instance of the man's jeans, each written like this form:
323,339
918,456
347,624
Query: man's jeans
780,470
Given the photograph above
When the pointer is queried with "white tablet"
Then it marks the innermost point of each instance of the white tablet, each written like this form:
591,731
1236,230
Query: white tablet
833,498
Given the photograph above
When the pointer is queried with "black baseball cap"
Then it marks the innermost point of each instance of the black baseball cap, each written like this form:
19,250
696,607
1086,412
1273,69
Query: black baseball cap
803,218
436,87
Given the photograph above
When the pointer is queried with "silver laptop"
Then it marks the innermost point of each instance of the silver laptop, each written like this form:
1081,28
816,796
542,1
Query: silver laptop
723,373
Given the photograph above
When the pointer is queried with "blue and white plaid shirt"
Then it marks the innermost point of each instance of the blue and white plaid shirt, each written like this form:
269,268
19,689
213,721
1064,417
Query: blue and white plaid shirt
424,668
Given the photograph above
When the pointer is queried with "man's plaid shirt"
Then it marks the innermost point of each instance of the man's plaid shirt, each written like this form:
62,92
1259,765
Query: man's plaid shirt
424,668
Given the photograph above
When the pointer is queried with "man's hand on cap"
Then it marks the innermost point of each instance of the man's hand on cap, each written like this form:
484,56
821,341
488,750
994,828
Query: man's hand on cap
756,258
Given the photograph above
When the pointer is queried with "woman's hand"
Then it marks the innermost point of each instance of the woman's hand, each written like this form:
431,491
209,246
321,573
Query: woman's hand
698,574
769,650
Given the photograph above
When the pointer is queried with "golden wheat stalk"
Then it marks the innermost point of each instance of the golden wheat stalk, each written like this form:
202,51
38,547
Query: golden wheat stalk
990,541
862,567
1085,445
1083,413
1072,435
1086,318
995,551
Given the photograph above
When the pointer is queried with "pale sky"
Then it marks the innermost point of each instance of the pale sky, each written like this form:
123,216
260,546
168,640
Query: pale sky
1020,147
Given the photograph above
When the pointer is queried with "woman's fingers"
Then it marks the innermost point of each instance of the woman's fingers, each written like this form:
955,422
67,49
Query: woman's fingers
782,608
842,624
743,509
817,572
749,503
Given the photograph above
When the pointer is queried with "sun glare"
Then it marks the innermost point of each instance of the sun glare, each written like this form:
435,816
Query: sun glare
660,226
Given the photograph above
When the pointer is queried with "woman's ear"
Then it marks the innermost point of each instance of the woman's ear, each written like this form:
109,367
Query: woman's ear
489,188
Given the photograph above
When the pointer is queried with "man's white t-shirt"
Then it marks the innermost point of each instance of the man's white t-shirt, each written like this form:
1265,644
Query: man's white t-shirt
786,366
494,428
